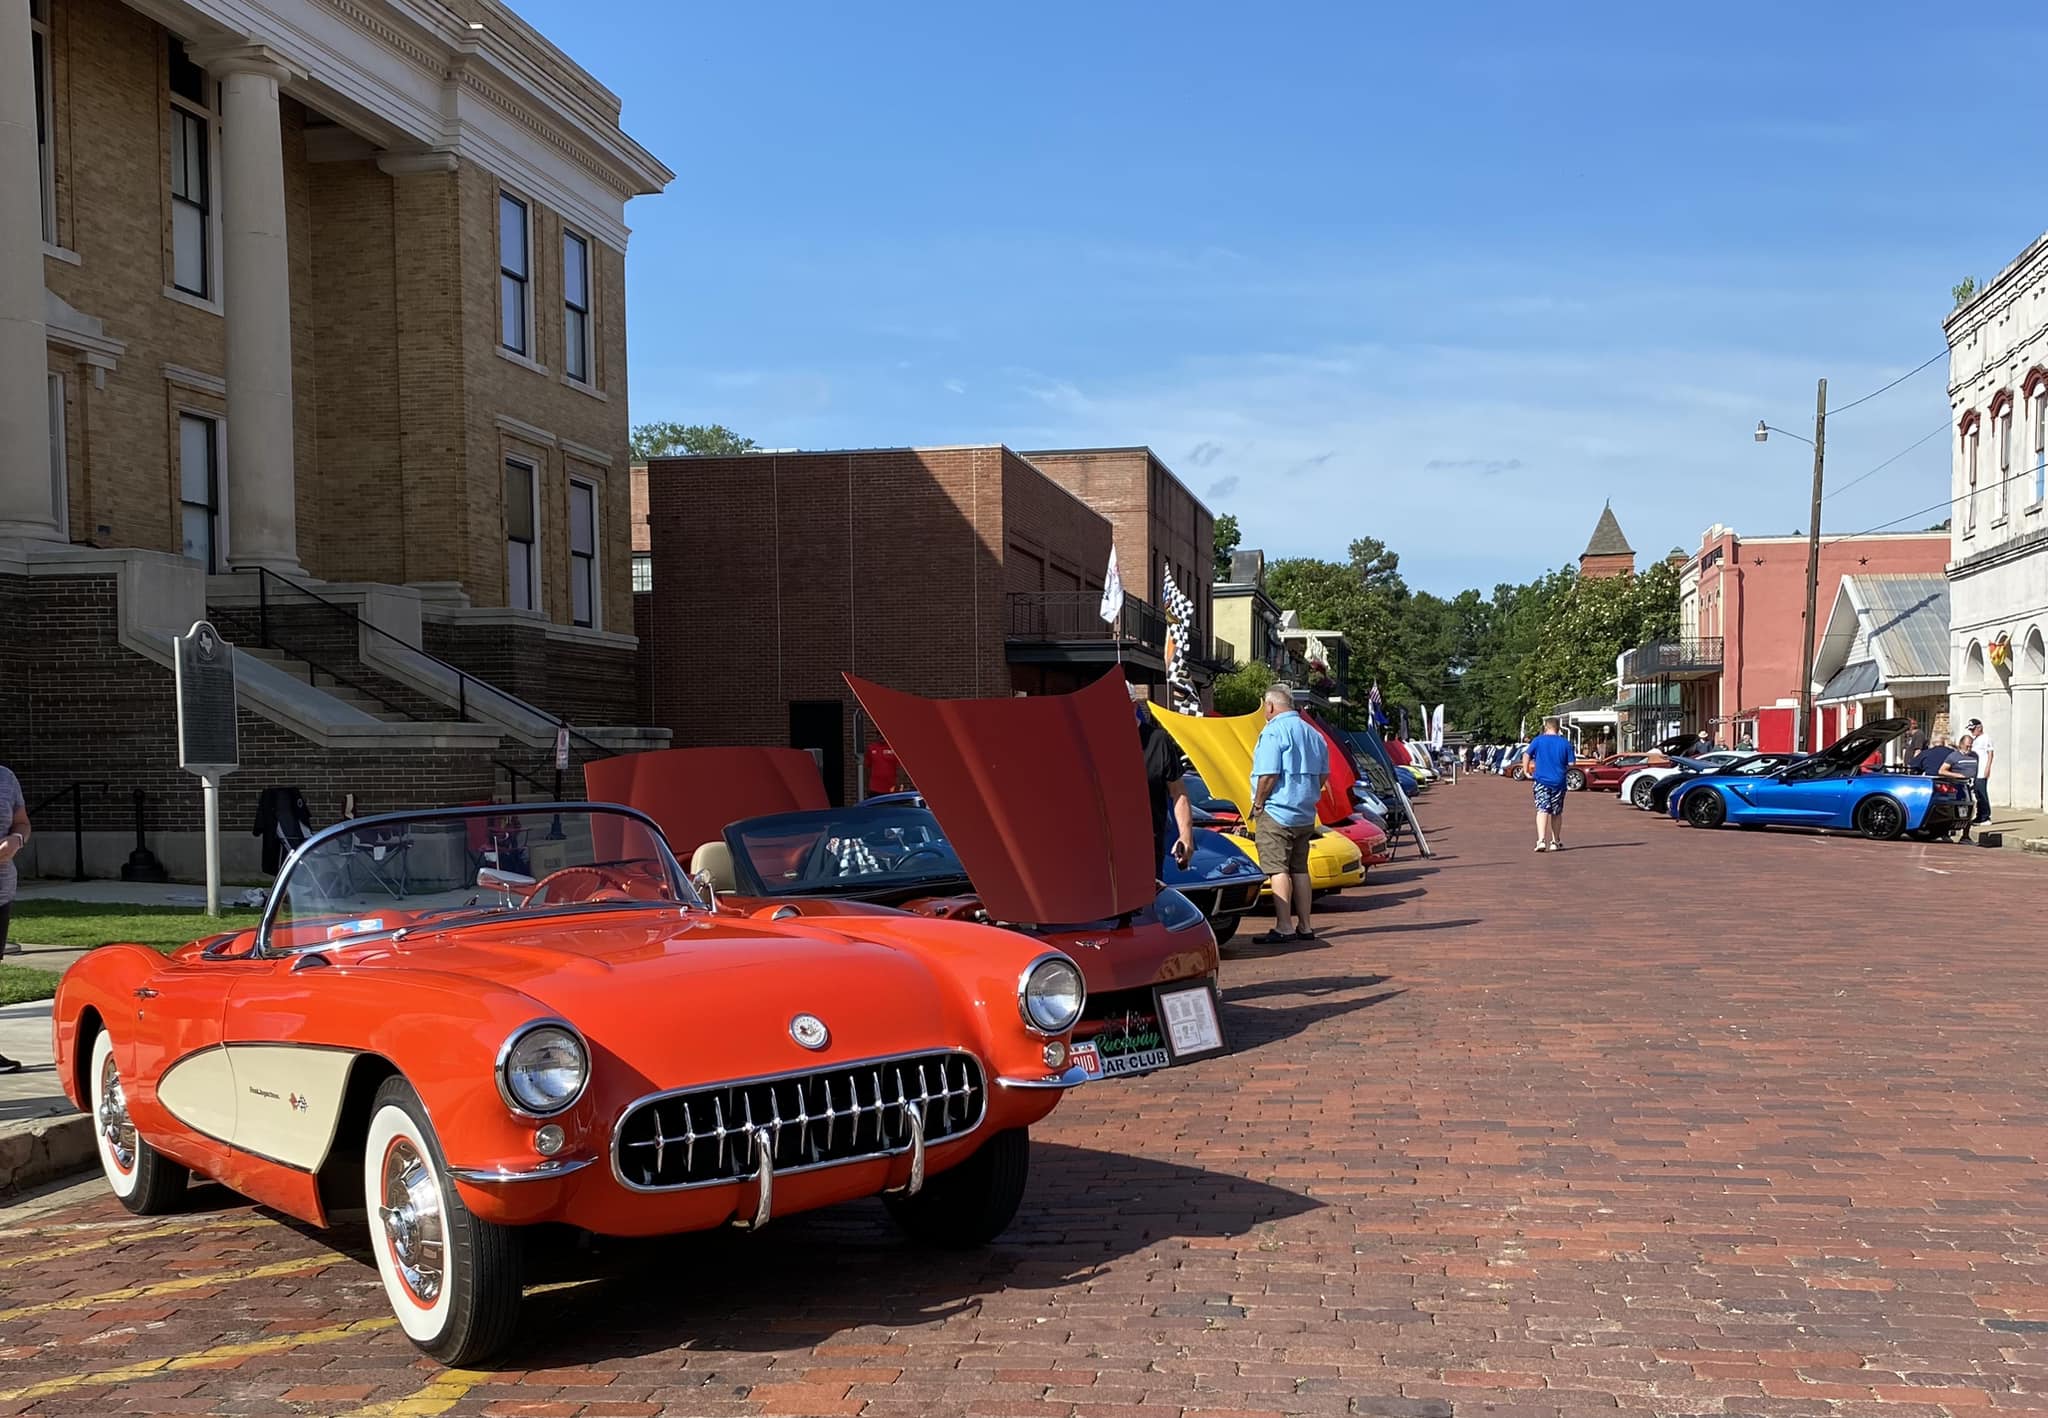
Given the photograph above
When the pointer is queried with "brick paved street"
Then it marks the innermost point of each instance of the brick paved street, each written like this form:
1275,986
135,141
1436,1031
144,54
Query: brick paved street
1674,1123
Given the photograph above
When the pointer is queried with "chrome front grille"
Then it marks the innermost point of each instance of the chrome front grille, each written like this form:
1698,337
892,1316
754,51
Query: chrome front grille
704,1137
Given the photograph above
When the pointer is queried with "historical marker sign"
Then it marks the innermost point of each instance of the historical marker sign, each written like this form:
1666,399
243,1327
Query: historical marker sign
207,741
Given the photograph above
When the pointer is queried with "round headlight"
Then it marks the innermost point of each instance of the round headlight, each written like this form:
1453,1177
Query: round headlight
1052,994
542,1069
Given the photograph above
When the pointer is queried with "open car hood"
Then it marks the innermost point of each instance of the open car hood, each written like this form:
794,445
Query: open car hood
1043,797
692,793
1221,750
1859,743
1677,744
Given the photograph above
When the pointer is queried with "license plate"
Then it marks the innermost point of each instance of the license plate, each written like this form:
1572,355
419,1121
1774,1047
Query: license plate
1122,1065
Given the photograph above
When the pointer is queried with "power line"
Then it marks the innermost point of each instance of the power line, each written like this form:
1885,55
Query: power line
1835,413
1939,429
1949,506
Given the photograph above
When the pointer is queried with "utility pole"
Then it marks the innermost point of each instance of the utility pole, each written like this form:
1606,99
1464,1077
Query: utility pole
1820,438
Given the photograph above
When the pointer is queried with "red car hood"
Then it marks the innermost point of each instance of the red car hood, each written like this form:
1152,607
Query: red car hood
1042,797
1335,805
693,793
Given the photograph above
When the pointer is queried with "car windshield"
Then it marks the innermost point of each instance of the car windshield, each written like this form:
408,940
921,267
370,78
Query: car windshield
842,851
388,875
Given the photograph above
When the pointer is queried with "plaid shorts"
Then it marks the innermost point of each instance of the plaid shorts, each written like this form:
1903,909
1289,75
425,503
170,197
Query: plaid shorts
1549,799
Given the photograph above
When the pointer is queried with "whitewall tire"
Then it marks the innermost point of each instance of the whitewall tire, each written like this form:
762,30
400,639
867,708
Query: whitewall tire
147,1182
452,1279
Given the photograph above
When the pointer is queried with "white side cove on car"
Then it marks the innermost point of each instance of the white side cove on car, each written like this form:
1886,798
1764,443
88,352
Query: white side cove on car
279,1101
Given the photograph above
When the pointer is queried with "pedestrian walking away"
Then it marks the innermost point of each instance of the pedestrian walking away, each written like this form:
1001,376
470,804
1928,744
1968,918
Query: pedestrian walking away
14,807
1963,764
1987,750
1290,764
1164,789
1550,756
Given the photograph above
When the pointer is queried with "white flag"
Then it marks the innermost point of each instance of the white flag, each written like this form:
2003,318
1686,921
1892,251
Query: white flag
1436,727
1112,591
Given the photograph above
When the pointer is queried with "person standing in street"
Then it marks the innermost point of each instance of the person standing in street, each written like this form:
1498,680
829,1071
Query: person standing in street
1964,764
1290,764
1164,789
14,807
1912,741
1550,755
1987,750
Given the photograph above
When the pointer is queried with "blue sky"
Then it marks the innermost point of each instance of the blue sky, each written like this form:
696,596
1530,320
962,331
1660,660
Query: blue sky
1444,275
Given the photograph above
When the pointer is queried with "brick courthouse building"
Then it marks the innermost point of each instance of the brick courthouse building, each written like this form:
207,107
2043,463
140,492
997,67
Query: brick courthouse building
312,320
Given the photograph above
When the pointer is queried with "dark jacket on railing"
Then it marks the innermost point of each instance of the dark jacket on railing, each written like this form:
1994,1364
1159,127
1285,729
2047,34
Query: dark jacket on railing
280,808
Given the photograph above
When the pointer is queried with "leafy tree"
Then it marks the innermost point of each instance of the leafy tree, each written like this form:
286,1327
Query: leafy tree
1941,526
658,440
1227,538
1589,624
1964,291
1239,691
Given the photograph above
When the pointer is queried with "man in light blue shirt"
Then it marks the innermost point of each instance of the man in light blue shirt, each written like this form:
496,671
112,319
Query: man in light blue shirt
1290,764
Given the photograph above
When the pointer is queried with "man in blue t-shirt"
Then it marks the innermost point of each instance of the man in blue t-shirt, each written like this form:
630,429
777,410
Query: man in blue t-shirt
1290,765
1550,754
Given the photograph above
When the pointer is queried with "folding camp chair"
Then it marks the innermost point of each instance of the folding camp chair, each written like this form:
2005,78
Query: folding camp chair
384,856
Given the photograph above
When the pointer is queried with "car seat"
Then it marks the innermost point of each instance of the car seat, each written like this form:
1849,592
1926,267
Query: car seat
715,860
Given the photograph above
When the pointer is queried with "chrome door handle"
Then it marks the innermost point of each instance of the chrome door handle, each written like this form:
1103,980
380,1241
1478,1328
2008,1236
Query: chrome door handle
145,992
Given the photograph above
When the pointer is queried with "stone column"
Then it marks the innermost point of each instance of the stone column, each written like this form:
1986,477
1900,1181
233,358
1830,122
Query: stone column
26,502
256,299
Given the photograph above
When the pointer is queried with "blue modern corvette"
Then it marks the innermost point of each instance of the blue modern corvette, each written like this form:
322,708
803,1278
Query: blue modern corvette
1827,789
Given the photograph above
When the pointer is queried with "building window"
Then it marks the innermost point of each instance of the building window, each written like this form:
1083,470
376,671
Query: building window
199,489
192,116
2041,441
2002,431
576,307
643,571
60,494
1970,481
515,323
582,552
46,151
522,536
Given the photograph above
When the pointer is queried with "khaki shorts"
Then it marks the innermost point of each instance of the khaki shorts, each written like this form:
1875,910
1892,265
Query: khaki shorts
1283,851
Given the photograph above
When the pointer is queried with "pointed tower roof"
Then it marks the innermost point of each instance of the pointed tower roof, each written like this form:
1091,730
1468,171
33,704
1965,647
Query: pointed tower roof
1607,537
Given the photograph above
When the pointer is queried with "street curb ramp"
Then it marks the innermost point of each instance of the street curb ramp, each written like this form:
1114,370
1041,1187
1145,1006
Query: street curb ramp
35,1151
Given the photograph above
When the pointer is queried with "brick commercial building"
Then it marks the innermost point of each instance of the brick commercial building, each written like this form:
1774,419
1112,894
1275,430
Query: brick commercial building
312,320
1161,528
949,572
1741,611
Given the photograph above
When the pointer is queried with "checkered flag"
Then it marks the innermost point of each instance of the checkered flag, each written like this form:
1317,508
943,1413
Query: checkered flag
1180,614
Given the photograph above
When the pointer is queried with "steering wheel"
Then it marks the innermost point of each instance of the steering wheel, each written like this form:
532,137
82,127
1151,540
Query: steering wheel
595,883
926,850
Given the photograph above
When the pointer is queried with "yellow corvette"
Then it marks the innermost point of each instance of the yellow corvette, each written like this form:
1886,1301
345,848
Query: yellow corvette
1221,750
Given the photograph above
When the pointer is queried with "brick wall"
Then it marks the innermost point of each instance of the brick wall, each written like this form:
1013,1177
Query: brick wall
775,572
77,704
585,684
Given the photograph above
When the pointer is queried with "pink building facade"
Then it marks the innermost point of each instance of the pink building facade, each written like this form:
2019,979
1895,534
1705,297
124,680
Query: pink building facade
1742,607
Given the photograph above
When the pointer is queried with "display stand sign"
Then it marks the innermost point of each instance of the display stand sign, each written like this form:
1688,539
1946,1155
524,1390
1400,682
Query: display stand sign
209,743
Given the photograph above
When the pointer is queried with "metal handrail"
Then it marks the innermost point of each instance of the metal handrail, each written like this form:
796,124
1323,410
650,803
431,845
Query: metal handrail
463,679
518,776
236,618
76,790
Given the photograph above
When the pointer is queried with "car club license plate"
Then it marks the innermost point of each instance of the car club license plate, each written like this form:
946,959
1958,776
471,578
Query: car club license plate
1184,1024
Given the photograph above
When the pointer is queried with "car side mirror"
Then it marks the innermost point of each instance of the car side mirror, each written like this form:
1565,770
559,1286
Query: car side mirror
706,888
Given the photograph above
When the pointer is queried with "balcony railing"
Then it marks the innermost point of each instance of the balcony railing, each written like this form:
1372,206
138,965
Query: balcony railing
1665,658
1066,617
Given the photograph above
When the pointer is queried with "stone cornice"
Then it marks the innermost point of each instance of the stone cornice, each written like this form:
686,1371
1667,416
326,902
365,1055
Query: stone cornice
2010,550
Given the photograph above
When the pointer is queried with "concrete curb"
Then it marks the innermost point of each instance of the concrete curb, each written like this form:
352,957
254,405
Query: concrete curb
2037,845
36,1151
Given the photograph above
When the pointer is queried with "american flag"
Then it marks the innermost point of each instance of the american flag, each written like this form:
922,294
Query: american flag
1180,614
1375,706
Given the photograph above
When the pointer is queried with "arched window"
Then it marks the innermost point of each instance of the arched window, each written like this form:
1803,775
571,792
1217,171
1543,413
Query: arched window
2034,658
2036,391
2001,444
1968,429
1973,666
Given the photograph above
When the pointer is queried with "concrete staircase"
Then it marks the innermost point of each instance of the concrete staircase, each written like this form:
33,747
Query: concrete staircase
305,673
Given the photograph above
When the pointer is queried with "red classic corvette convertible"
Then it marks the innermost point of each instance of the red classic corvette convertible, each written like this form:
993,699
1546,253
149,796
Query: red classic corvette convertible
1070,865
470,1020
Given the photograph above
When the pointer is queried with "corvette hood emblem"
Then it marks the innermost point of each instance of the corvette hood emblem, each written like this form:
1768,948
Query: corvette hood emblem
809,1031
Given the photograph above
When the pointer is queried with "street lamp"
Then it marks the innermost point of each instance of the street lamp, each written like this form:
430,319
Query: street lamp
1819,445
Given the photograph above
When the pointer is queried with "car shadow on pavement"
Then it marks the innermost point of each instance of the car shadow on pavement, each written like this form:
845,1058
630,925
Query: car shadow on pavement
809,1278
1251,1026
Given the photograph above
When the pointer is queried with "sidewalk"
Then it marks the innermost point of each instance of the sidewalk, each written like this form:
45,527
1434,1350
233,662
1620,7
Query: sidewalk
25,1036
127,893
2019,826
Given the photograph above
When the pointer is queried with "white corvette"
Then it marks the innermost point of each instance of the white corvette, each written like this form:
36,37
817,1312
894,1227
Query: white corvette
1635,789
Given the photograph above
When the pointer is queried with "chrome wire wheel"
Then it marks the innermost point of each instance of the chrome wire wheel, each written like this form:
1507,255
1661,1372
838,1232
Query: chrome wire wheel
410,1213
116,1128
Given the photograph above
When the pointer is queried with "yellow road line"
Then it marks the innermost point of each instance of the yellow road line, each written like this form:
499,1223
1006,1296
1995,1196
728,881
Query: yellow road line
173,1287
156,1368
441,1393
141,1233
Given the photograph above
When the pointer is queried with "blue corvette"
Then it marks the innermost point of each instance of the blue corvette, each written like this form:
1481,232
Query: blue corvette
1827,789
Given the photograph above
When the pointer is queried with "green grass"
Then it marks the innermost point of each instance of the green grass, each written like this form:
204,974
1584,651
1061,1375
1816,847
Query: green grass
19,984
82,925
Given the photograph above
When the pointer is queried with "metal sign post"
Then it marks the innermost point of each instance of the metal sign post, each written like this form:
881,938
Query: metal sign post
209,743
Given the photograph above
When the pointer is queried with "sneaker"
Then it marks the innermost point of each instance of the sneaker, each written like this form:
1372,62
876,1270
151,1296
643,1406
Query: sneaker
8,1065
